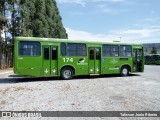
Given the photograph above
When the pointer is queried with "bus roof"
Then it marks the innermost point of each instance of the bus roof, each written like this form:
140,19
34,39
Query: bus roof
69,40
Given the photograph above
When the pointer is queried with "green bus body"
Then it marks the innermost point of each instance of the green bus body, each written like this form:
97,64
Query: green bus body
62,57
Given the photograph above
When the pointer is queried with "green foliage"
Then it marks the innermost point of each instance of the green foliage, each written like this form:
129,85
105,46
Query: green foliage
40,18
154,50
2,16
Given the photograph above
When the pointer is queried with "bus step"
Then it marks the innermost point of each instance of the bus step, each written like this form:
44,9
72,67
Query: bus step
94,74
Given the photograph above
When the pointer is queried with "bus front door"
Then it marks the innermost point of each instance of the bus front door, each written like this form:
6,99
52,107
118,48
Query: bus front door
94,60
137,60
50,56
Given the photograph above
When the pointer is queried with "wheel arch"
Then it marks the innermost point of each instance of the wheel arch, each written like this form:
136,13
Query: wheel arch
126,65
70,66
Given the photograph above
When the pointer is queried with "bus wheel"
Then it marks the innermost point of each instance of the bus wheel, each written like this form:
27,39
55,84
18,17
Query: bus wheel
124,71
67,73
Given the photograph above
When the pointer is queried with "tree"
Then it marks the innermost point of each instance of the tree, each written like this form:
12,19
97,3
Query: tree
154,50
2,24
13,26
37,18
56,27
40,18
26,12
2,14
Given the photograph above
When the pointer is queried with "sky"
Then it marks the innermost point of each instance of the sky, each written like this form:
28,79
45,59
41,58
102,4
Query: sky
133,21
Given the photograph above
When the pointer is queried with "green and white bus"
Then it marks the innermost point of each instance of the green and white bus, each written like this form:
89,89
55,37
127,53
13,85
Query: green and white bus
42,57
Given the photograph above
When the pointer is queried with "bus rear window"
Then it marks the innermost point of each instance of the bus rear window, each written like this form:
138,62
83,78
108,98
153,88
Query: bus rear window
29,48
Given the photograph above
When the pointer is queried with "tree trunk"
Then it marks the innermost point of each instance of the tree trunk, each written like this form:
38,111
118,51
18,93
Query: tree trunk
13,31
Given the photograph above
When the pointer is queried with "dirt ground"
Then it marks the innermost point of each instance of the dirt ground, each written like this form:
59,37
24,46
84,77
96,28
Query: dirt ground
137,92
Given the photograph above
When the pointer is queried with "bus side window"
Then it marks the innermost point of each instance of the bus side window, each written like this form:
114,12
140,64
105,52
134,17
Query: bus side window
46,53
91,54
125,51
63,49
29,48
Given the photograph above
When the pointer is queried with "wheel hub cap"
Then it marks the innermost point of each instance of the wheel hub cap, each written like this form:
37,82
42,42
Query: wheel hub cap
125,71
67,73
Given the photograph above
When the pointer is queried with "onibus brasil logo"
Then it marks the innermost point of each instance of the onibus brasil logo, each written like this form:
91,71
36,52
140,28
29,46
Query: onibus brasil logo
81,61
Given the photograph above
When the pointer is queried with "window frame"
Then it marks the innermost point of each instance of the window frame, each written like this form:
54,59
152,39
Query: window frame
126,51
38,49
76,50
91,54
97,53
54,52
46,54
110,46
64,50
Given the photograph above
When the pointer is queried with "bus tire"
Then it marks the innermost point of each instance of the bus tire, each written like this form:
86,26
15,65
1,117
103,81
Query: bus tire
124,71
67,73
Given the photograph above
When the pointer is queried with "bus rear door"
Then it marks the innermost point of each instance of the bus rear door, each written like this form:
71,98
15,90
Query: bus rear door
94,60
